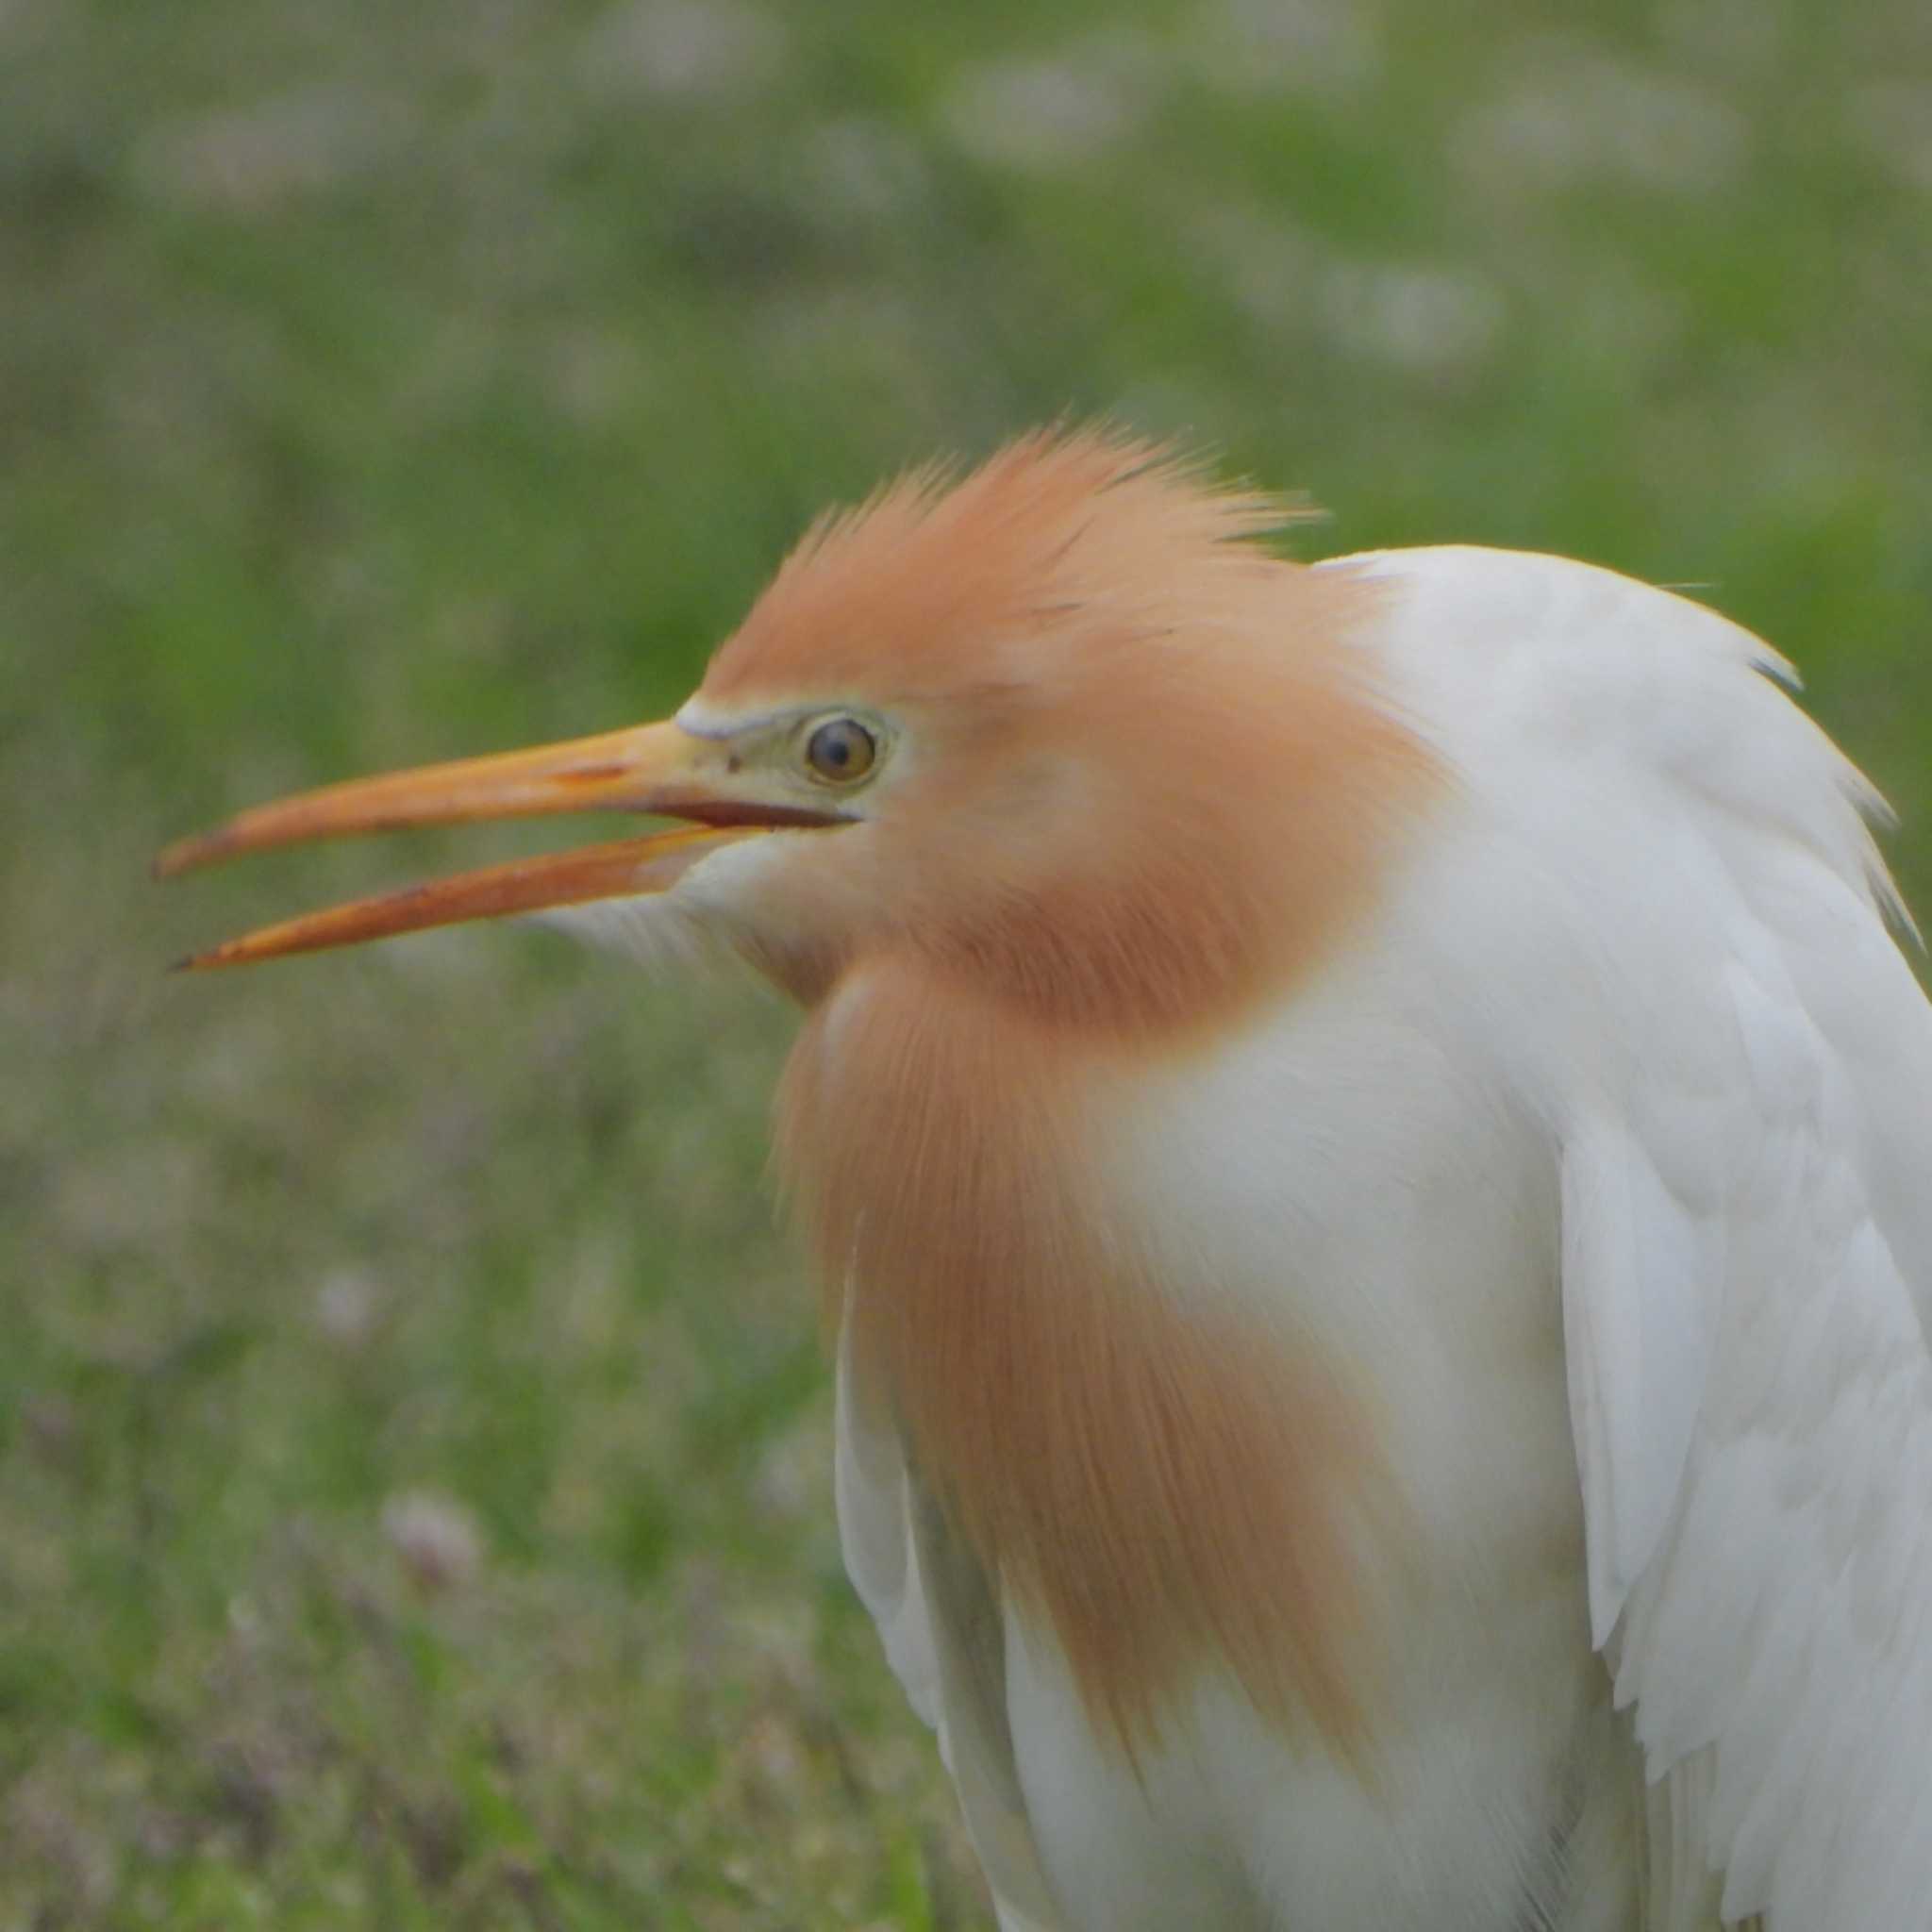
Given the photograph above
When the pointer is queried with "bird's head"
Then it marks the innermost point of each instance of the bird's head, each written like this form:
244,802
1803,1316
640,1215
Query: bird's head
1057,728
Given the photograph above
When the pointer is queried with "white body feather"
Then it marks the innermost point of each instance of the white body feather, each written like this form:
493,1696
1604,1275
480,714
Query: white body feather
1609,1150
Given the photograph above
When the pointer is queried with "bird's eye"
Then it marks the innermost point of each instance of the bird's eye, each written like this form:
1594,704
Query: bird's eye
840,751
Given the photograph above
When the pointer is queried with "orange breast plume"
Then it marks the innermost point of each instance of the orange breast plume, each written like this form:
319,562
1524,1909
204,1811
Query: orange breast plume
1163,1484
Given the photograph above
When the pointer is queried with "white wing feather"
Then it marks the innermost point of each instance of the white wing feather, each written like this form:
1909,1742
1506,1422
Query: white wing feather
1668,921
942,1637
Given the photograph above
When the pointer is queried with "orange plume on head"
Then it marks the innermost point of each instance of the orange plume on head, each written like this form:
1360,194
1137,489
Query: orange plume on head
1076,530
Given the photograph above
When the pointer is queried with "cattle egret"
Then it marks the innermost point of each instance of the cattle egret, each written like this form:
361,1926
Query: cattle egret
1370,1152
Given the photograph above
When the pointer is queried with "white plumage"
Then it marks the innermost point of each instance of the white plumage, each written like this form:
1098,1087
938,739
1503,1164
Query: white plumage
1628,1046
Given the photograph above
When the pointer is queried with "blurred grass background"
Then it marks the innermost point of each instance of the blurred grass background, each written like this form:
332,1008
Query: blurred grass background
414,1446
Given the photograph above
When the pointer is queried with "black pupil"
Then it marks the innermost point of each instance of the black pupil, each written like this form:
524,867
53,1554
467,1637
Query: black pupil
840,750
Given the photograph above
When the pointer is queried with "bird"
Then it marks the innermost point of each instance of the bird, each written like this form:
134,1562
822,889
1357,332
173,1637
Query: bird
1365,1132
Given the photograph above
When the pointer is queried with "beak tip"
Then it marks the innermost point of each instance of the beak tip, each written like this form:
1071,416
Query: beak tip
227,954
184,855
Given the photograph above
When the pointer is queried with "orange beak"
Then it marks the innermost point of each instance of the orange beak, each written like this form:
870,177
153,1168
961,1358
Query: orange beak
660,769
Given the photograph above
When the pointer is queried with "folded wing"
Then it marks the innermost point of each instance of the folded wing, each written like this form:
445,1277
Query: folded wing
1670,921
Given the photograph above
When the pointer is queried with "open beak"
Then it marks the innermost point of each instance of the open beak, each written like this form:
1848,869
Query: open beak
659,769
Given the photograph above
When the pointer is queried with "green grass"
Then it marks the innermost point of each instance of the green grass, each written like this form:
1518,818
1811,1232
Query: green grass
382,383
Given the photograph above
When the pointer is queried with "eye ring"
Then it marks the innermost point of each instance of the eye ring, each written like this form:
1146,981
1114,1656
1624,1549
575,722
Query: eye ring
840,751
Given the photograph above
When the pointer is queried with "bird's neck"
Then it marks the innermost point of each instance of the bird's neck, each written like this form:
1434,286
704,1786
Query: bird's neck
1165,1485
1217,836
